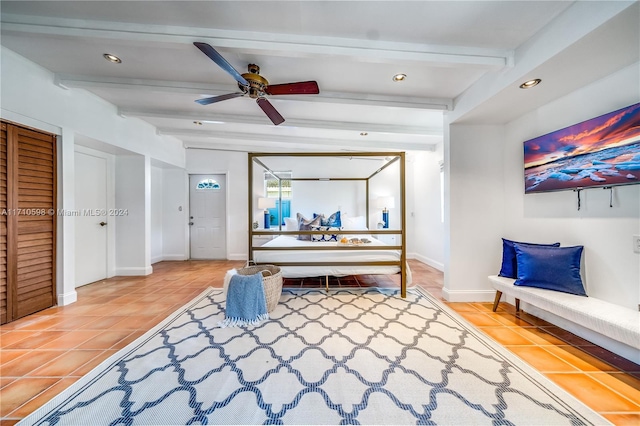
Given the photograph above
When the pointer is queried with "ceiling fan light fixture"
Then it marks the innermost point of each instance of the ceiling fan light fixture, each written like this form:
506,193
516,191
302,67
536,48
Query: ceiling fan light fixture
198,123
112,58
530,83
399,77
363,133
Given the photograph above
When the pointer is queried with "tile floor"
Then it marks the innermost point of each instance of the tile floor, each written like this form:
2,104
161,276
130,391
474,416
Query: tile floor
44,353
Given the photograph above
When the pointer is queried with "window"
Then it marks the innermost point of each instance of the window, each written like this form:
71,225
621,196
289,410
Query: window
208,184
271,186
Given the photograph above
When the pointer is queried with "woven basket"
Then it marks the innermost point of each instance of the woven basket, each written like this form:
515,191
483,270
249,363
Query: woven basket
272,280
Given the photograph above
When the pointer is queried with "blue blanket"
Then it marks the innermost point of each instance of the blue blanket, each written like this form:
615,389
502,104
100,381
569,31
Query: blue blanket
246,301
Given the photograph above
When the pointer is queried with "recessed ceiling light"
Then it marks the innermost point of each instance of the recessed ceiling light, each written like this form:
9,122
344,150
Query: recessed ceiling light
531,83
363,133
112,58
399,77
198,123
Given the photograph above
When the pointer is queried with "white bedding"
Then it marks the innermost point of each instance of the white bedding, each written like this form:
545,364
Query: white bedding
337,255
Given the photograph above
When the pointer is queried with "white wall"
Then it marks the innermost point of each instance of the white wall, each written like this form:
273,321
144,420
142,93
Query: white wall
133,247
474,202
427,241
175,209
486,201
156,213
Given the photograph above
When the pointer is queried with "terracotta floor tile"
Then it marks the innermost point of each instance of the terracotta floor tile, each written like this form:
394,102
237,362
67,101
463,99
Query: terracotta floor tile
105,340
87,367
479,319
70,340
541,359
21,391
15,336
462,307
36,339
26,364
621,383
506,336
567,336
579,359
64,365
130,338
539,336
102,323
7,355
593,393
630,419
44,397
4,381
71,322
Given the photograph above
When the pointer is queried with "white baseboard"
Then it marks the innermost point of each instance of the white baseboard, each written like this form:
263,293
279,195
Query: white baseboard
237,256
174,257
67,298
134,271
157,259
468,295
433,263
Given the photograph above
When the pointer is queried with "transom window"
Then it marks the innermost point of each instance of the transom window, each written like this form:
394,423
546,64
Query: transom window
208,184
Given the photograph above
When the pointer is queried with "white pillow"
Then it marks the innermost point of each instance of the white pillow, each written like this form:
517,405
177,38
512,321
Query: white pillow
354,223
290,224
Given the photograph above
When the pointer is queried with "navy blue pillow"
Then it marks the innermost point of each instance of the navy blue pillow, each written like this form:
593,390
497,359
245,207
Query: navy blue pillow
551,268
509,266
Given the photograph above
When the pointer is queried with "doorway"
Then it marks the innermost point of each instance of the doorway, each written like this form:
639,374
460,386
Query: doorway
207,216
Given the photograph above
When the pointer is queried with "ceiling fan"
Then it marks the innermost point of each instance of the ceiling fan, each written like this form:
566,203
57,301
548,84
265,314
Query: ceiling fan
256,86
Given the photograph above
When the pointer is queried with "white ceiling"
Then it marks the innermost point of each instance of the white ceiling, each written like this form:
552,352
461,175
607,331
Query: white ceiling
448,49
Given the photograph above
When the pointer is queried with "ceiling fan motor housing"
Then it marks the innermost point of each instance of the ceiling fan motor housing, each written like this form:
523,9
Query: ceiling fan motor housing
257,83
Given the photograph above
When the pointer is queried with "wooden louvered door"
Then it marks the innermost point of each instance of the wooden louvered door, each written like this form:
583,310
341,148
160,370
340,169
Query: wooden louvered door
31,224
4,290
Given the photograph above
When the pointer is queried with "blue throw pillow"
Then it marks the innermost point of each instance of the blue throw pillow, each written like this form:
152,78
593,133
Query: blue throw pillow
551,268
333,220
509,268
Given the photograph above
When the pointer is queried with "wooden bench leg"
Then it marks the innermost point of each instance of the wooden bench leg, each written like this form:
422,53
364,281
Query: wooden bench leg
497,300
517,305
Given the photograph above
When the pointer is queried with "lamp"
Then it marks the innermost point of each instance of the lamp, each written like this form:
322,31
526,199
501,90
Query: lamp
385,203
266,203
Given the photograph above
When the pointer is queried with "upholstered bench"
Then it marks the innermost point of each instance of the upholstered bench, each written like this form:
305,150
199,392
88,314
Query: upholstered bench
614,321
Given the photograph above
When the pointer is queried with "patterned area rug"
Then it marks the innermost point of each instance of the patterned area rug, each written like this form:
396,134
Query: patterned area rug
355,356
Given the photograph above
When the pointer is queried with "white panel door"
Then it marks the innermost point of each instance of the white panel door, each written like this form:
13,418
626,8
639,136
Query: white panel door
91,220
207,211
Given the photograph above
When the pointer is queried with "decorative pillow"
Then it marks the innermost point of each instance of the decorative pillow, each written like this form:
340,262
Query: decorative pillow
509,267
325,237
333,220
305,224
291,224
354,223
551,268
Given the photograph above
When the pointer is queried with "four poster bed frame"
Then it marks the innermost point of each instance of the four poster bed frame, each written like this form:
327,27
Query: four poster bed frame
401,262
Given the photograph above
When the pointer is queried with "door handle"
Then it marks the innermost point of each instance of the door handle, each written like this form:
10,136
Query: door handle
103,223
190,223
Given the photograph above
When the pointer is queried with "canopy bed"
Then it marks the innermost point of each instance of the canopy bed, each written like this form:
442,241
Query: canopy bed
351,241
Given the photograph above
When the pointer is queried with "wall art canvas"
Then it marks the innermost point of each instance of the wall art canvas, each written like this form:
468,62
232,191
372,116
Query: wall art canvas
602,151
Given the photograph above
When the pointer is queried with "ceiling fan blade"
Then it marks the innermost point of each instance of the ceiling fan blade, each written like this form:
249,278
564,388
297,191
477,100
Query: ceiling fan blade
271,112
222,62
214,99
300,88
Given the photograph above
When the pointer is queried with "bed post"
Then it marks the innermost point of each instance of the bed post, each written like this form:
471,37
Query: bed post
250,208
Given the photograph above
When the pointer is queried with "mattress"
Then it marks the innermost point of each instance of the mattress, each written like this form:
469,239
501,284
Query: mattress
337,255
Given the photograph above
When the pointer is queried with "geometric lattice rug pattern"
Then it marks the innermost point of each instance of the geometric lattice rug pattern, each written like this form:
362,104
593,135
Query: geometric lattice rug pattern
348,356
